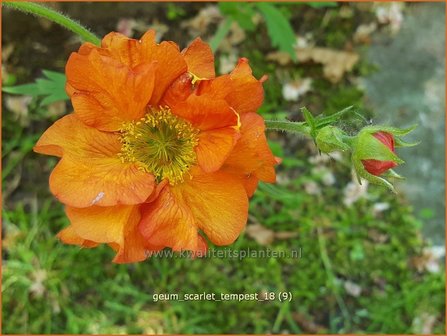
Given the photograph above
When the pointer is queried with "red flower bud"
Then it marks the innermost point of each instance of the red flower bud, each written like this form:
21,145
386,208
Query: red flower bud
377,167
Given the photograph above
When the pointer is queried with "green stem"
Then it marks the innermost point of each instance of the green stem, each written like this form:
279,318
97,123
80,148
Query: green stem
52,15
332,280
288,126
280,317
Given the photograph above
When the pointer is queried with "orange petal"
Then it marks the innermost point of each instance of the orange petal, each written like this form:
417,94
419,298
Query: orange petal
206,113
240,89
199,59
115,225
168,222
91,171
214,147
105,92
87,47
250,184
71,136
170,63
251,158
69,236
122,48
157,190
218,123
106,182
217,88
178,92
218,202
215,203
102,70
247,93
202,247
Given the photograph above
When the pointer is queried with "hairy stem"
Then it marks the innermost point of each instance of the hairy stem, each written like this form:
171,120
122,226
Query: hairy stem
288,126
52,15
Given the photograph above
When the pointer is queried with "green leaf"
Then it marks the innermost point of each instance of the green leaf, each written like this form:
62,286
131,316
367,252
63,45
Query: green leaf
279,28
222,31
310,120
51,88
313,4
240,12
324,121
321,4
25,89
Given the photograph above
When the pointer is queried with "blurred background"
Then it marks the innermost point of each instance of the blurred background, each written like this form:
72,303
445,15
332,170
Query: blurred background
371,261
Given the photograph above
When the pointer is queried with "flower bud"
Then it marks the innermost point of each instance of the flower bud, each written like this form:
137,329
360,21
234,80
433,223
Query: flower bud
378,167
330,139
373,154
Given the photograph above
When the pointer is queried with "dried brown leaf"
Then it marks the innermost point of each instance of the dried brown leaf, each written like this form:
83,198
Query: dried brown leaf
307,324
335,62
363,33
200,23
280,57
285,235
265,236
261,234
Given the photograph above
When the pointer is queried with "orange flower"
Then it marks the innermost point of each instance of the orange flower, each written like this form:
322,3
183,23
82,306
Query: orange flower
158,150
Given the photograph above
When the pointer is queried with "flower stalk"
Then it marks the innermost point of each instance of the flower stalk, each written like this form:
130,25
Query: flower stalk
56,17
372,148
288,126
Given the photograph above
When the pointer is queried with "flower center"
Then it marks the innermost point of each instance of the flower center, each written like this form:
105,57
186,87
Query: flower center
161,144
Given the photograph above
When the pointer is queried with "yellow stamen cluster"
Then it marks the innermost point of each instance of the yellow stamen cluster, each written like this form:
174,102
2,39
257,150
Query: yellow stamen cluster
161,144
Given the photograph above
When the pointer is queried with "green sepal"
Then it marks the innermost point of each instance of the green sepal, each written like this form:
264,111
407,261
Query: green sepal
309,118
398,142
393,130
392,174
367,147
330,139
363,173
324,121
